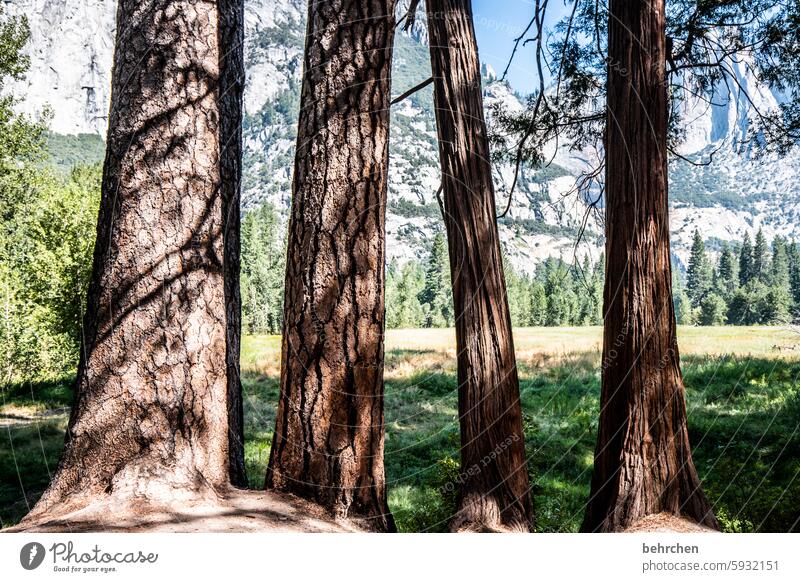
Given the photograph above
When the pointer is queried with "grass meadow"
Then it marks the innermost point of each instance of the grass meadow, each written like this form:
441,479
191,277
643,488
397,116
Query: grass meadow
742,395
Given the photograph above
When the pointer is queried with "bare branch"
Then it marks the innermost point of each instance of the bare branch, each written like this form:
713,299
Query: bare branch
413,90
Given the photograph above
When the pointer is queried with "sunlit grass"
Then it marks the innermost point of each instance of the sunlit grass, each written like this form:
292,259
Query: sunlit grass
742,396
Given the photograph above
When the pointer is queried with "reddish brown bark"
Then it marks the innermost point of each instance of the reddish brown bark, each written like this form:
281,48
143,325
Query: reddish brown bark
643,462
494,493
157,415
328,443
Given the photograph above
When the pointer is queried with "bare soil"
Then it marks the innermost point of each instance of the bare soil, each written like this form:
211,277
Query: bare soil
667,523
237,510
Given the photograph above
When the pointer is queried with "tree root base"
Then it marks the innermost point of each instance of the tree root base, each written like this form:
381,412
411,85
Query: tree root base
234,510
479,514
667,523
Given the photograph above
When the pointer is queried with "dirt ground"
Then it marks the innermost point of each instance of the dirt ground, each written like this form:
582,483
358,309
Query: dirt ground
667,523
237,511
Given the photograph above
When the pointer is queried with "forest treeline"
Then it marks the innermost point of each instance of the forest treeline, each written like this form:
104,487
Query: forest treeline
48,225
48,251
751,282
746,282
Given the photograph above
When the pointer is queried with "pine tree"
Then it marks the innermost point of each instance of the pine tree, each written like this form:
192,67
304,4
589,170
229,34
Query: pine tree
490,416
435,296
746,260
263,271
598,283
562,302
761,258
538,304
403,286
518,289
684,314
329,431
793,256
698,275
643,462
585,284
726,280
712,310
748,306
158,410
779,271
775,309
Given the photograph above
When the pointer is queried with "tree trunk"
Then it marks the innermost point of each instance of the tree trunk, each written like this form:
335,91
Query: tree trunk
494,493
643,463
157,415
328,443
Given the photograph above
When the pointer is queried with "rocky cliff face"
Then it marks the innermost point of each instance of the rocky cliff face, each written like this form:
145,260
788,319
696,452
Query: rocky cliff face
71,51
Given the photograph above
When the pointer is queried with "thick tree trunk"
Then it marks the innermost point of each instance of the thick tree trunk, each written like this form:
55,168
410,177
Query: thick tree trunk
328,443
643,463
157,415
494,493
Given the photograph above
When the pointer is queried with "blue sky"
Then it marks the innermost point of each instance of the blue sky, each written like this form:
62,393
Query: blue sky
497,24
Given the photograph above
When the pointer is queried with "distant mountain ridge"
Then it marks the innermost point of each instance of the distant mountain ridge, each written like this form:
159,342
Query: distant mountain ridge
71,51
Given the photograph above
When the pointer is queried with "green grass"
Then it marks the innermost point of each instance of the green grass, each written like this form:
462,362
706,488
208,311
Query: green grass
742,395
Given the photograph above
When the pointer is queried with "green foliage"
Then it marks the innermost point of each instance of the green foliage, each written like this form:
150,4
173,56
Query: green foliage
699,273
793,256
748,304
779,272
47,247
765,291
746,260
436,295
20,138
68,151
712,310
777,306
430,507
47,233
726,280
518,290
562,302
684,314
403,287
557,293
760,269
742,412
573,294
408,209
263,269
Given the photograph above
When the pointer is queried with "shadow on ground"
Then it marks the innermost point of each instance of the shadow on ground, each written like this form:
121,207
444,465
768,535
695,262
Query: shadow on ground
744,420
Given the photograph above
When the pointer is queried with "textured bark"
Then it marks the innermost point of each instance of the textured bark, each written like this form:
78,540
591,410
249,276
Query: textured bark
494,493
158,407
328,443
643,463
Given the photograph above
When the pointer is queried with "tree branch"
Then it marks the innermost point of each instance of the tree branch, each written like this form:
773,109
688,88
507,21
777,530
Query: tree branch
411,91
